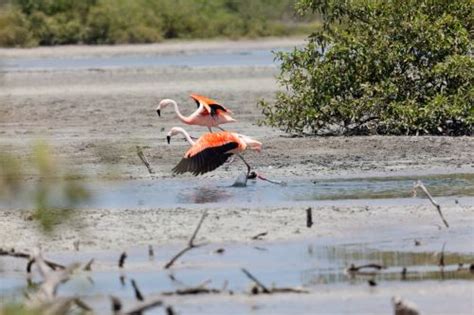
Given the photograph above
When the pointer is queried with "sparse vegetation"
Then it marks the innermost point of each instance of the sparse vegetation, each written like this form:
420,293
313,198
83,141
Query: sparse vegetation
380,67
45,22
53,194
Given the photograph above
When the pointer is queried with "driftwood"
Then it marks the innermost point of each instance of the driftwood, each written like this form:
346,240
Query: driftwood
419,184
266,290
355,269
31,260
193,291
190,246
143,158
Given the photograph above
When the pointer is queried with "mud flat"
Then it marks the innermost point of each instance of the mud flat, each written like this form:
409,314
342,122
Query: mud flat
94,117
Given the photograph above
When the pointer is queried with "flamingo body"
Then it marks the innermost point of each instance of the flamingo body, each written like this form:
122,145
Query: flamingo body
211,150
209,112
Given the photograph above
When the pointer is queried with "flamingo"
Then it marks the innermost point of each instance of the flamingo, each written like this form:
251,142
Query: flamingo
209,112
212,150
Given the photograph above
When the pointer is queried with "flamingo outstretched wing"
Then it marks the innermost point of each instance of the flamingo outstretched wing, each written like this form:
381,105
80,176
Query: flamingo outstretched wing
209,104
205,160
208,153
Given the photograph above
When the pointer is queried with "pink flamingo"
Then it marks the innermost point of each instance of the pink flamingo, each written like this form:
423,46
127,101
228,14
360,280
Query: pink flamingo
209,112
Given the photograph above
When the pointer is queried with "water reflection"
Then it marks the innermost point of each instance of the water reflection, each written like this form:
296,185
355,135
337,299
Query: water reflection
204,195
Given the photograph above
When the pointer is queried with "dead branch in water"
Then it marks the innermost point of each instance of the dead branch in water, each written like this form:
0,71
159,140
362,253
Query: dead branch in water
266,290
137,309
191,244
441,257
354,268
142,157
31,260
419,184
122,258
88,266
151,252
257,282
138,293
309,217
193,291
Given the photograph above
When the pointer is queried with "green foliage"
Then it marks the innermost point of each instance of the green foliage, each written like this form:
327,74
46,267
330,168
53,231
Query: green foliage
53,193
15,29
52,22
386,67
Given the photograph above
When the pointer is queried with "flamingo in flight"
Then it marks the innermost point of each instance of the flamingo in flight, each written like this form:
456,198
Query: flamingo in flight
209,113
212,150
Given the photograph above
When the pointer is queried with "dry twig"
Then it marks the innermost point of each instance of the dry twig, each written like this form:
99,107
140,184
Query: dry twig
191,244
257,282
419,184
142,157
309,217
122,258
138,293
31,260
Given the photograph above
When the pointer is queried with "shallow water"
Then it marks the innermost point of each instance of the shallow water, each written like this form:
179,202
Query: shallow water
208,59
187,192
315,265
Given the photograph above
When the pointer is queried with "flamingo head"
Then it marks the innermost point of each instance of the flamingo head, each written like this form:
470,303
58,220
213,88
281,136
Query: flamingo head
252,144
164,103
173,131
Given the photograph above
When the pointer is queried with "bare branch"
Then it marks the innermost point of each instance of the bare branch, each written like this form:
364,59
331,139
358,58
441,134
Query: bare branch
257,282
191,244
138,293
419,184
122,259
309,217
142,157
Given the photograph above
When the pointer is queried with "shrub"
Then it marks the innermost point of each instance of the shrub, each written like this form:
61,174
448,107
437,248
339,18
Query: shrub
14,29
386,67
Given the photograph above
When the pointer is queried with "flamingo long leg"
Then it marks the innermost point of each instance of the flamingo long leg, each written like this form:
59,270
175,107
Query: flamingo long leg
247,164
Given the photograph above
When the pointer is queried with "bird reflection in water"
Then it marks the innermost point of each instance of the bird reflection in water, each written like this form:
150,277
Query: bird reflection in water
205,195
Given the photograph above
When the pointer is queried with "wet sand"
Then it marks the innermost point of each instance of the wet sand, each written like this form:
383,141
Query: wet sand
94,118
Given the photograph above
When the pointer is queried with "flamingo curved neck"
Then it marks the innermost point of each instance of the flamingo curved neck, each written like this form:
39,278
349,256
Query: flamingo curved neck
178,113
186,135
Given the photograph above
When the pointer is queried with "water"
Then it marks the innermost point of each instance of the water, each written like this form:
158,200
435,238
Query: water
172,192
208,59
315,265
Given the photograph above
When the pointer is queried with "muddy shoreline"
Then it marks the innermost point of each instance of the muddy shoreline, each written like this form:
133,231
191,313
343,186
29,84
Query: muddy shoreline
94,118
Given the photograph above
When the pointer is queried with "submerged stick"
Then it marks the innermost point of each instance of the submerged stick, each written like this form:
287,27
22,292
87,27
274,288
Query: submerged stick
122,258
138,293
191,244
257,282
419,184
142,157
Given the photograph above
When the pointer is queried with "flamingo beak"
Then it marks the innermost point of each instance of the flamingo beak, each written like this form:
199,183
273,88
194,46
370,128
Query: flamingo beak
168,138
158,112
